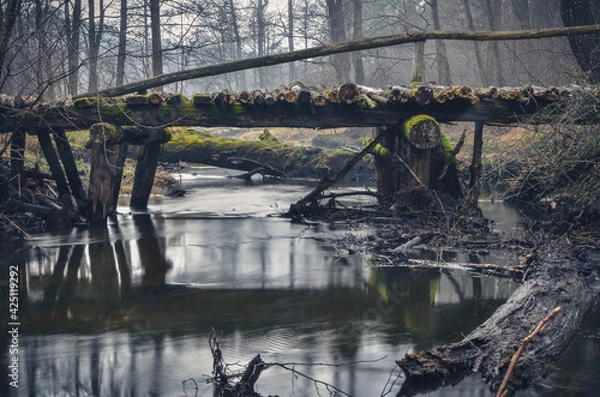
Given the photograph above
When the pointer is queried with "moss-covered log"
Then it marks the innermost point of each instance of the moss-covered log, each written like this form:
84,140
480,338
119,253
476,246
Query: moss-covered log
350,106
276,158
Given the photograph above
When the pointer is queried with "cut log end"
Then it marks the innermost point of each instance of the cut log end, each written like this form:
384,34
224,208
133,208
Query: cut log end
423,131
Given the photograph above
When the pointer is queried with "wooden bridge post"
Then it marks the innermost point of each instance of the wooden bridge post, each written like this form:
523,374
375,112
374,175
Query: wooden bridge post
107,159
145,170
385,173
417,137
64,193
66,155
17,156
475,168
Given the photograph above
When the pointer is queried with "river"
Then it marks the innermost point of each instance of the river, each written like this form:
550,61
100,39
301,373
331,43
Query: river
128,310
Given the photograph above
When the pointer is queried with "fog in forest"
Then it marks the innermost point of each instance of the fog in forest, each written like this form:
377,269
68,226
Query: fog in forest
57,49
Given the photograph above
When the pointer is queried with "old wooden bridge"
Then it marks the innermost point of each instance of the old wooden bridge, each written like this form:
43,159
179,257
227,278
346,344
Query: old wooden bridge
143,119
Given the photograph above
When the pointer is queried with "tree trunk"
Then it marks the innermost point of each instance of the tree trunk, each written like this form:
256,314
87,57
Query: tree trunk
562,273
238,44
291,66
95,38
12,12
478,55
73,26
335,17
157,64
493,59
121,56
357,62
261,37
585,48
418,63
443,65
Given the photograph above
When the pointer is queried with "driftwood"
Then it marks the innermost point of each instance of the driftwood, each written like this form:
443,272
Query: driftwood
562,274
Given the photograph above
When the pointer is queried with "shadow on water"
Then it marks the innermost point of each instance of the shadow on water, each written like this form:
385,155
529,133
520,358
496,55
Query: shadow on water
127,310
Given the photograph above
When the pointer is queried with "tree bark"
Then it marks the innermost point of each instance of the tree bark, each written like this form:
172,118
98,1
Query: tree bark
443,65
357,21
17,156
157,64
145,170
337,32
59,177
337,48
107,161
122,52
562,273
418,66
291,66
585,47
475,168
476,45
73,27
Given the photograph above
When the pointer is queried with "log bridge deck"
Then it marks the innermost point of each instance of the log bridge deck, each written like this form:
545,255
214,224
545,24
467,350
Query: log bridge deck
142,119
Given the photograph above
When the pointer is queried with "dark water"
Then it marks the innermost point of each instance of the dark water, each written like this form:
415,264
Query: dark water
128,310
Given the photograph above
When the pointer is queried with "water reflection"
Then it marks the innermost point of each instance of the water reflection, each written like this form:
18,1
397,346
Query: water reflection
127,310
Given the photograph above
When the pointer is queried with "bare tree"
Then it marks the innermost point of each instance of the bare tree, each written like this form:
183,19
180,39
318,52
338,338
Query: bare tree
157,61
357,61
291,66
585,48
72,32
96,30
122,52
443,66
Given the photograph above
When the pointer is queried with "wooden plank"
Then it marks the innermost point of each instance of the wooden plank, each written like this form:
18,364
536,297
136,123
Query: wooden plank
145,170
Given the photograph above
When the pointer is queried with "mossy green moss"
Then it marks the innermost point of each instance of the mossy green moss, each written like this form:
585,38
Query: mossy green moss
446,144
419,118
82,103
379,149
137,100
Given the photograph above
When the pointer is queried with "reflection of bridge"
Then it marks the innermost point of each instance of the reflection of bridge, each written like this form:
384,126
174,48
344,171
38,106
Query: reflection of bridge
139,120
104,311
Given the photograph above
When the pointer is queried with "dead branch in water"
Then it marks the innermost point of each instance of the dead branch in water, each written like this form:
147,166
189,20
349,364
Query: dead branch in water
528,338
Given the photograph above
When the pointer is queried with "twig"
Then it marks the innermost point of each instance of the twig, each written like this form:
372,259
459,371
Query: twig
524,343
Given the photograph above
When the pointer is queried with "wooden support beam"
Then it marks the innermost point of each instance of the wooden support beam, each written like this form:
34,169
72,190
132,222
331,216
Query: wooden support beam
419,135
145,170
66,155
475,168
64,193
17,156
385,172
107,161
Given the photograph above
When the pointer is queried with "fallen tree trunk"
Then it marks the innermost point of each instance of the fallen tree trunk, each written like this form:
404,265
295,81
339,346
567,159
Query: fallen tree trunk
568,277
274,158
